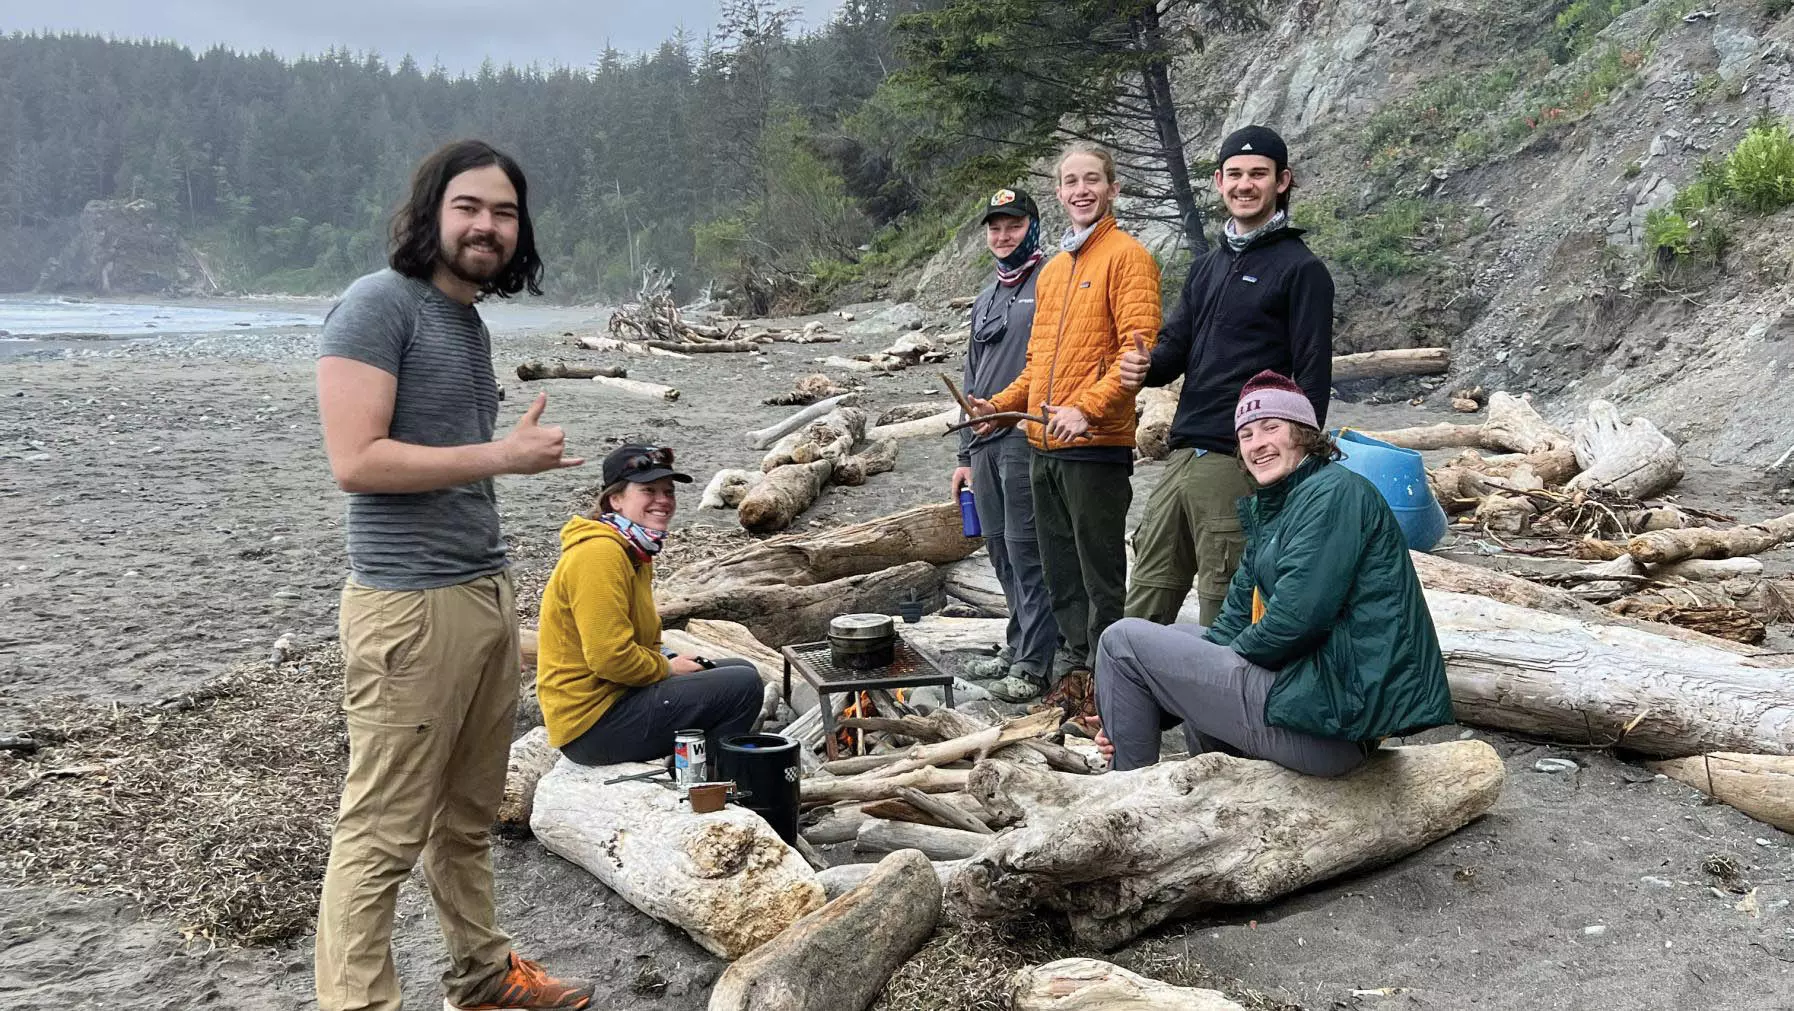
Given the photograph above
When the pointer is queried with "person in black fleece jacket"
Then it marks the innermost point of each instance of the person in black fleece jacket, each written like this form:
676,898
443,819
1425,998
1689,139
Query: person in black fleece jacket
1258,300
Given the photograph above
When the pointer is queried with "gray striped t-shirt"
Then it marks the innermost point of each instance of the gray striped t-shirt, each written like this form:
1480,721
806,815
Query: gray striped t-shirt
447,396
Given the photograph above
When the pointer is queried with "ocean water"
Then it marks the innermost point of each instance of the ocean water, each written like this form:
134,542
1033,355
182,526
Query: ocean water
33,317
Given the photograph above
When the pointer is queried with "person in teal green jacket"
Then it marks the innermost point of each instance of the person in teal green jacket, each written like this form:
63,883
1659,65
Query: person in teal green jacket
1324,645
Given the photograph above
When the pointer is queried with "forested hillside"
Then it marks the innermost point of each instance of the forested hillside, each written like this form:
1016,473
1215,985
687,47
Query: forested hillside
738,147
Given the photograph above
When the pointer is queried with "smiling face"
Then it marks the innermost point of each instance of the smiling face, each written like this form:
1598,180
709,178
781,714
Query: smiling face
651,504
1003,233
1249,185
1085,189
1269,449
479,224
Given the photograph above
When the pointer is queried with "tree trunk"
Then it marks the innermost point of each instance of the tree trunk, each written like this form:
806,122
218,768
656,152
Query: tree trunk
1513,427
1087,854
1156,83
1087,984
783,495
1385,364
925,533
1761,786
880,836
840,957
1599,684
725,878
531,371
781,615
1661,546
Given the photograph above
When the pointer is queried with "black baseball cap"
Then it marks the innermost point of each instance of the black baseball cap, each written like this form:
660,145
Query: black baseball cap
1259,140
1009,203
640,465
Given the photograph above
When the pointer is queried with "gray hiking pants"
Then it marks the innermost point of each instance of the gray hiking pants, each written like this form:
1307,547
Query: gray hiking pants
1005,497
639,727
1151,677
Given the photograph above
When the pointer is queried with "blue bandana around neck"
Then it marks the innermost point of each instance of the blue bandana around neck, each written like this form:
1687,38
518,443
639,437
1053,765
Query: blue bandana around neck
1012,268
644,540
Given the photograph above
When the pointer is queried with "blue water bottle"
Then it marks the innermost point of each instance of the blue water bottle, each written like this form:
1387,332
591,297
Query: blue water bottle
968,514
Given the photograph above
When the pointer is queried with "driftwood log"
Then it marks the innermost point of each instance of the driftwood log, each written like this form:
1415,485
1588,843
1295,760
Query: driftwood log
1387,364
613,344
637,388
765,437
840,957
843,878
780,615
1629,458
934,424
1596,684
1158,407
1513,427
715,640
807,390
783,495
878,458
832,438
1089,854
1660,546
1088,984
531,371
725,878
878,835
925,533
728,487
1761,786
531,759
834,790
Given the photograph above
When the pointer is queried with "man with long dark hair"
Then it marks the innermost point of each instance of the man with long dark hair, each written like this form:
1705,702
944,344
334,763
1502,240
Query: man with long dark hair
429,619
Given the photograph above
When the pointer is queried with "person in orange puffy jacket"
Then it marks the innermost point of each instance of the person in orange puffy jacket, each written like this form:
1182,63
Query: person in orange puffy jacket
1096,300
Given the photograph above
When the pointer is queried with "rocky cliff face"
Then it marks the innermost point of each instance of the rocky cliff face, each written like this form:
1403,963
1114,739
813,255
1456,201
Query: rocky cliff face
122,247
1478,176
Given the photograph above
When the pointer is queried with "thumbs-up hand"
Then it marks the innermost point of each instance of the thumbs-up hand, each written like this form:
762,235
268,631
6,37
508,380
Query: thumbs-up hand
1135,363
533,447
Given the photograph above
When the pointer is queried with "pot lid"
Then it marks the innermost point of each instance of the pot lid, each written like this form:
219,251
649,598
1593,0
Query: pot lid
862,626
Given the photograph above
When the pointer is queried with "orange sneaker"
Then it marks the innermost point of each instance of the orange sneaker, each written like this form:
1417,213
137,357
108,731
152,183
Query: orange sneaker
526,986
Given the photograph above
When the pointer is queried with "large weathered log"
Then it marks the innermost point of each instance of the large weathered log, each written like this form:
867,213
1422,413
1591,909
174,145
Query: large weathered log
979,744
843,878
765,437
878,835
839,957
780,615
706,347
531,371
729,487
1386,364
1629,458
1660,546
1761,786
725,878
638,388
783,495
878,458
818,790
1158,407
949,814
627,347
925,533
936,424
831,439
1513,427
1088,984
973,581
1601,684
531,759
1091,855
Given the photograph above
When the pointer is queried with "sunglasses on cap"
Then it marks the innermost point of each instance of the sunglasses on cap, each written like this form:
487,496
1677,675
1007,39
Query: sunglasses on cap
659,457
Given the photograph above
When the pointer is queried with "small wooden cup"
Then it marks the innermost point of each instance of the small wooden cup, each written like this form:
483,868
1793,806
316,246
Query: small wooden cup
707,797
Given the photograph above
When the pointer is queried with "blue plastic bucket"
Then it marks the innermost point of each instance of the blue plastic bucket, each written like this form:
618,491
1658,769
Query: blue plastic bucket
1400,475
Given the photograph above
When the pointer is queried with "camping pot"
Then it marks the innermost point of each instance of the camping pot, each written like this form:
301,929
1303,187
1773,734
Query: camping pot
862,641
765,767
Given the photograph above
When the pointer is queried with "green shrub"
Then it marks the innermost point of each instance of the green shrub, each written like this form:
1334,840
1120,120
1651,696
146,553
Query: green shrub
1666,231
1581,21
1759,173
1377,244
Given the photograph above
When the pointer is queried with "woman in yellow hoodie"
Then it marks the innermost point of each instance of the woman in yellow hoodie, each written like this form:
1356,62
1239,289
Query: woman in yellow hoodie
609,692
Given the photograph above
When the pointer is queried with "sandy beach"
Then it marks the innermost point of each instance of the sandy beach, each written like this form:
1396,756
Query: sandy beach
169,514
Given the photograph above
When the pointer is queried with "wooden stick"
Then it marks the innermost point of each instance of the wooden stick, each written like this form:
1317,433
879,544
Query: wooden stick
946,812
979,744
1661,546
706,347
958,397
638,388
880,836
531,371
862,788
998,416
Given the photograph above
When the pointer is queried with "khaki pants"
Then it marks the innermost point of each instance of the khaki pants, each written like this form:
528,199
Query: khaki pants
1191,532
430,694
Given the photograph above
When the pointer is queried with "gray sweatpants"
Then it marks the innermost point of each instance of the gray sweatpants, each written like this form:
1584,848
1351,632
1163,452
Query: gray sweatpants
1004,493
1150,677
639,727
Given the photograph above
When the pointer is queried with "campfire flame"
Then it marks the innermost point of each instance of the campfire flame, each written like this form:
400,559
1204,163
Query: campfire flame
847,740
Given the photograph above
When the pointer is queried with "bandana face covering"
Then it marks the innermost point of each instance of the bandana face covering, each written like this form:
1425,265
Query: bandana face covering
1013,269
645,541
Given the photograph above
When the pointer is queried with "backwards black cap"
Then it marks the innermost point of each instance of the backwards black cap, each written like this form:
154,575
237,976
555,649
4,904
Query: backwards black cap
1258,140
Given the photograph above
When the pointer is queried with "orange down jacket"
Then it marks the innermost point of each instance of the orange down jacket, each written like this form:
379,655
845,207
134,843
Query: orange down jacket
1088,307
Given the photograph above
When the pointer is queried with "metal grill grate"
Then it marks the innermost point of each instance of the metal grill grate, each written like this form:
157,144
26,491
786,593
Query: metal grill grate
908,669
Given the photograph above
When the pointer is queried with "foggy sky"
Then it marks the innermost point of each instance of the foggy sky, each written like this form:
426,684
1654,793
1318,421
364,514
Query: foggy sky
459,33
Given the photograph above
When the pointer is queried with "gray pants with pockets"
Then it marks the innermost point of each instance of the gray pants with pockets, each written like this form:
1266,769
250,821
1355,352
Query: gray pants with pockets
1004,493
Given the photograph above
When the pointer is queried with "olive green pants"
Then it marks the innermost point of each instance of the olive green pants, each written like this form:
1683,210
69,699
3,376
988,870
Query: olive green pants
1080,521
1190,534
